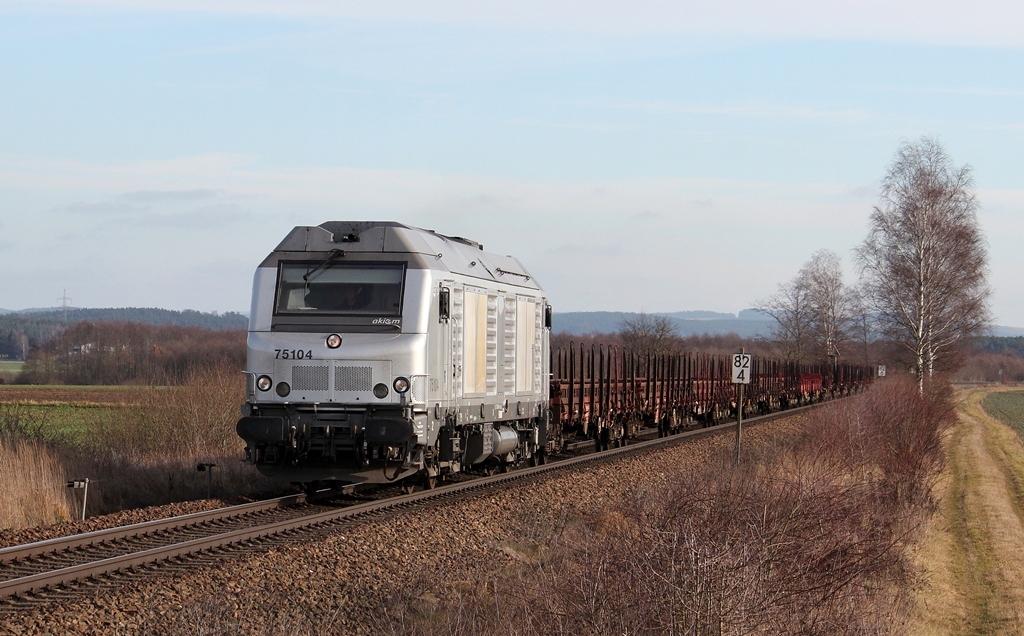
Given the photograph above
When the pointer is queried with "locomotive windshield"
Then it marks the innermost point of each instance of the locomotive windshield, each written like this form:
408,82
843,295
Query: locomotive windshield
340,288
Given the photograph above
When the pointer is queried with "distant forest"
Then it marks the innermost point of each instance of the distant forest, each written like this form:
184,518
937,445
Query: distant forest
21,332
114,353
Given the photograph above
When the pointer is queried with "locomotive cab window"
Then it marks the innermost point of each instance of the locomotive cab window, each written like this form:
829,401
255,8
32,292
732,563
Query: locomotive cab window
340,288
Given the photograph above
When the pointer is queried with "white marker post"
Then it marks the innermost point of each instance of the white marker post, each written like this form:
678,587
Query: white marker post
740,376
82,484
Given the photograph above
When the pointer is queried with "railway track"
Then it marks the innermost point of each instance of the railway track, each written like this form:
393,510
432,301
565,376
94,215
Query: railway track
58,568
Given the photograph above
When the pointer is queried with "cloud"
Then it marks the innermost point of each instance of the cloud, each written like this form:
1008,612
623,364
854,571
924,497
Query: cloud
151,196
207,217
645,216
983,22
771,111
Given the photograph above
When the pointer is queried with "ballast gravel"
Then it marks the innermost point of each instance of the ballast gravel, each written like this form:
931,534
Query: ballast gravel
337,583
92,524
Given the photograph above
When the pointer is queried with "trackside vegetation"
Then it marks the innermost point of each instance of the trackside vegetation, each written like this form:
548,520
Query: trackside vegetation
139,446
809,536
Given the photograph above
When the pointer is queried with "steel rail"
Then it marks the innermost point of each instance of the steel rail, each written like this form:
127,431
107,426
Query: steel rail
40,581
60,544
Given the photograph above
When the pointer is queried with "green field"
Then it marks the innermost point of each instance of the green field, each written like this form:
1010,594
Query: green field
1008,408
10,369
75,424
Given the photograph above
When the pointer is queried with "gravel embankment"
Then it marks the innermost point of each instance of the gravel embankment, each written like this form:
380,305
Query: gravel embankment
336,584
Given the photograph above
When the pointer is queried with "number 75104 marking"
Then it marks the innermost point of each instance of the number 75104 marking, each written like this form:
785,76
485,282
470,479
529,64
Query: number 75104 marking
293,354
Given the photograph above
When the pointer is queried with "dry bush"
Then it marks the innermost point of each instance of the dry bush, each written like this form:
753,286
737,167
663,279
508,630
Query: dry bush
892,434
809,535
34,484
193,420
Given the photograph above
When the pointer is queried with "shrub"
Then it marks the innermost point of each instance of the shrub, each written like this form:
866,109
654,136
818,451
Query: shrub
34,484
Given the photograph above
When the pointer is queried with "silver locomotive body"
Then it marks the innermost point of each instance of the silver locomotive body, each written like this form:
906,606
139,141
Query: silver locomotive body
379,352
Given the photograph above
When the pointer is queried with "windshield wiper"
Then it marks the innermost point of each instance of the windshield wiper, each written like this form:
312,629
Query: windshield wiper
333,254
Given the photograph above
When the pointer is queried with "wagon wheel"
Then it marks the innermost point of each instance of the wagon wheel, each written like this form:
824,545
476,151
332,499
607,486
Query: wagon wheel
408,487
430,482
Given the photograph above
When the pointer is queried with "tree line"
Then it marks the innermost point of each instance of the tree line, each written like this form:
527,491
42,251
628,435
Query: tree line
132,353
22,331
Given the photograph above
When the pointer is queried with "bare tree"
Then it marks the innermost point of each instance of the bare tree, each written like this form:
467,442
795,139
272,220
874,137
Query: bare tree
831,304
791,309
862,330
924,261
648,334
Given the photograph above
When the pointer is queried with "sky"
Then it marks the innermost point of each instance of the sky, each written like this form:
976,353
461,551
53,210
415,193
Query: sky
646,155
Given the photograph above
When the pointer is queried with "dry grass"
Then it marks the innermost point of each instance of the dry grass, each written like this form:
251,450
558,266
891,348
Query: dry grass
34,489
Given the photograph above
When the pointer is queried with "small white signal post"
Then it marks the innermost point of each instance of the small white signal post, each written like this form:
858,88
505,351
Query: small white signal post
740,375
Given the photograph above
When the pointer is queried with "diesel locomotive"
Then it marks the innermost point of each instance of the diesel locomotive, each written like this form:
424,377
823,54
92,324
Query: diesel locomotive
379,352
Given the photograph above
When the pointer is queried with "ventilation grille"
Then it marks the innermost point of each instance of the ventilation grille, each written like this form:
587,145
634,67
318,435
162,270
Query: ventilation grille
308,378
353,378
250,385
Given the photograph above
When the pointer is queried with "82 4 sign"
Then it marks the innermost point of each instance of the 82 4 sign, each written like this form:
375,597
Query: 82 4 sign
741,368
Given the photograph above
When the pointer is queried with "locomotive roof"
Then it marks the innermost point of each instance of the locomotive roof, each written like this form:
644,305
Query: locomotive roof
459,255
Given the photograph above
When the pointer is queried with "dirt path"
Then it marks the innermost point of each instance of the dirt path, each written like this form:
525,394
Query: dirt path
973,554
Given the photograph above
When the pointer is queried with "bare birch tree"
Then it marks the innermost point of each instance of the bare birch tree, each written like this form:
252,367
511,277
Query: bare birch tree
924,260
812,312
831,303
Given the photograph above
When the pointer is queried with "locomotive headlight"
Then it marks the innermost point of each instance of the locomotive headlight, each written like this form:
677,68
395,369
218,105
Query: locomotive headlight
333,341
263,383
283,389
380,391
401,384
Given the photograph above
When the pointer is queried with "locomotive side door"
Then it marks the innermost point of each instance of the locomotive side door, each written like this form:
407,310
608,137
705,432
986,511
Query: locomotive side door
448,358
